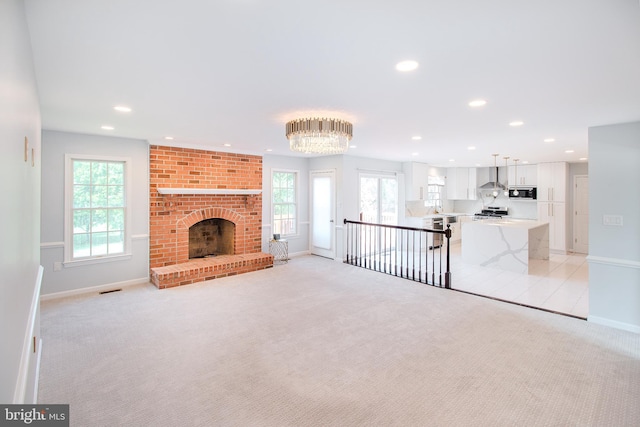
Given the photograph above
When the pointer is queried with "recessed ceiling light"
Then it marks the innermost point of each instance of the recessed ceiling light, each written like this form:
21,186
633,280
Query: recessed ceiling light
353,146
406,66
516,123
568,151
452,160
107,127
471,148
122,108
583,158
227,145
269,150
169,138
525,162
414,154
549,140
416,138
477,103
478,164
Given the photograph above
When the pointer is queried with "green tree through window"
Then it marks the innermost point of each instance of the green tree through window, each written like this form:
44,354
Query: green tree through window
284,202
98,208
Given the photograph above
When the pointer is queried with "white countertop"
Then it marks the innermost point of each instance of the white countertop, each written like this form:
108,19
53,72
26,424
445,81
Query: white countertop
511,223
440,215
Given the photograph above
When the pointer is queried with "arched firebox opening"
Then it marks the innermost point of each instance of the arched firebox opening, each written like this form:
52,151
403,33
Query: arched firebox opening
211,237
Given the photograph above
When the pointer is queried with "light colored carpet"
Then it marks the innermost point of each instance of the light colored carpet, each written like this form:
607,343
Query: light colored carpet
320,343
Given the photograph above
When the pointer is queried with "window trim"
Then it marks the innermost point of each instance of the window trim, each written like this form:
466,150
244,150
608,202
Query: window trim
296,202
68,211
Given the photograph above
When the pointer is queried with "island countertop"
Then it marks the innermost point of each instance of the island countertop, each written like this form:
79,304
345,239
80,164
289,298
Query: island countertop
508,222
505,243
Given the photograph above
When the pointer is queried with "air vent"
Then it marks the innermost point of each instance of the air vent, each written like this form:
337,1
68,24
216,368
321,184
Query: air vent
108,292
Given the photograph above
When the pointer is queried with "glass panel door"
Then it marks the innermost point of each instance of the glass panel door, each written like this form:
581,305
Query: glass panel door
323,213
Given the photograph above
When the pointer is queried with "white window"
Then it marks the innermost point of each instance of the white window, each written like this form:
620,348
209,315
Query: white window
284,193
435,189
97,216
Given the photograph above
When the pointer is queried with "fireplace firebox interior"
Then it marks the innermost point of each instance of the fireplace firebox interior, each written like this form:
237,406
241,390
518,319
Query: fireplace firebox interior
211,237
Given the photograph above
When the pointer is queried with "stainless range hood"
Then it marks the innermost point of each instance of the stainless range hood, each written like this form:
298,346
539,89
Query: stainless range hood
493,184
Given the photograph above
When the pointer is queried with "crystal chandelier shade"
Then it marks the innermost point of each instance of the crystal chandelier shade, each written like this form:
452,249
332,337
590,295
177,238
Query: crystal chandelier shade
319,136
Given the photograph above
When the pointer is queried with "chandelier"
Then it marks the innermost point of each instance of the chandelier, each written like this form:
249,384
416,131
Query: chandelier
319,136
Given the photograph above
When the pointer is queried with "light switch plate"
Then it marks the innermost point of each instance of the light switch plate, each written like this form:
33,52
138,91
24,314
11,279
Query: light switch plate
615,220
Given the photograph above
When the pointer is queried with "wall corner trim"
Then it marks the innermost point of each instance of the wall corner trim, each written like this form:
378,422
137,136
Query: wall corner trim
23,372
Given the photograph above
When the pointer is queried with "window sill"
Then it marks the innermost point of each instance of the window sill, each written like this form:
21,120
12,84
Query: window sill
97,260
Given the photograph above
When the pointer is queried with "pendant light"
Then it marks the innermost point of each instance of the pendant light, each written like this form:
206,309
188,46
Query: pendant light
515,161
495,183
506,170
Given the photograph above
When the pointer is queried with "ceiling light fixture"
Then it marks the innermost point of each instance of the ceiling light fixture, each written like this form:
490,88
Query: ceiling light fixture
515,191
406,66
168,138
471,148
568,151
506,168
416,138
516,123
477,103
495,183
549,140
319,136
122,109
107,127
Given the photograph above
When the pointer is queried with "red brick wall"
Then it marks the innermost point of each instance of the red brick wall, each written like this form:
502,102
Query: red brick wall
171,215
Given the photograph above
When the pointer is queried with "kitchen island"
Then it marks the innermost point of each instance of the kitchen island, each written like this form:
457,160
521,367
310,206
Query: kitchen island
507,244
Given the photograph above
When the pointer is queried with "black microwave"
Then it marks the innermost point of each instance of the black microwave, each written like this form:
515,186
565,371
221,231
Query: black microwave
523,193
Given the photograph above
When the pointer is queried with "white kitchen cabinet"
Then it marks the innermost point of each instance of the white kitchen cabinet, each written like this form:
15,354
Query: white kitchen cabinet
555,213
552,181
416,175
527,176
462,184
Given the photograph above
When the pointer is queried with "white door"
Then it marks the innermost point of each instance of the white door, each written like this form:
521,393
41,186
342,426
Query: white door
323,214
581,214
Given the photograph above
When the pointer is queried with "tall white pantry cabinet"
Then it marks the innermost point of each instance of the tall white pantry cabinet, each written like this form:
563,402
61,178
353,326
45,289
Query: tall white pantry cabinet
552,204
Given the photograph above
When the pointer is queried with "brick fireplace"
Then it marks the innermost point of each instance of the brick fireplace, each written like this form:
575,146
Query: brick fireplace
201,188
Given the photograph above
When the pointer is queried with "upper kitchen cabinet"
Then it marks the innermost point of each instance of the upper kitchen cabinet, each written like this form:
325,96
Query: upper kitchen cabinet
462,184
416,176
527,176
552,181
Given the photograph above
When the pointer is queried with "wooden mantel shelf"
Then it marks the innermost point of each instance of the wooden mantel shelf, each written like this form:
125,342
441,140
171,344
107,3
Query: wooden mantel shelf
212,191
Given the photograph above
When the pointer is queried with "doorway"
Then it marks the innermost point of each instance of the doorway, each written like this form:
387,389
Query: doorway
379,199
323,213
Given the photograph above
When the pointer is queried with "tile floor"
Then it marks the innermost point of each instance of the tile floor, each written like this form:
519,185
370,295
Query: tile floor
559,284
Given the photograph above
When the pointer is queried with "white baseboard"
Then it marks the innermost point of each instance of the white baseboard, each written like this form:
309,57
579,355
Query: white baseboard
94,289
296,254
614,324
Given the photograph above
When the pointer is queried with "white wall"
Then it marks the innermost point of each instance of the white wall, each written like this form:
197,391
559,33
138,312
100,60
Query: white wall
614,251
121,273
20,213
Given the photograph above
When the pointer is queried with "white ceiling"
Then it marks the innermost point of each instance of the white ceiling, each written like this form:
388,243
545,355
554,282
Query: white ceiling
214,72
